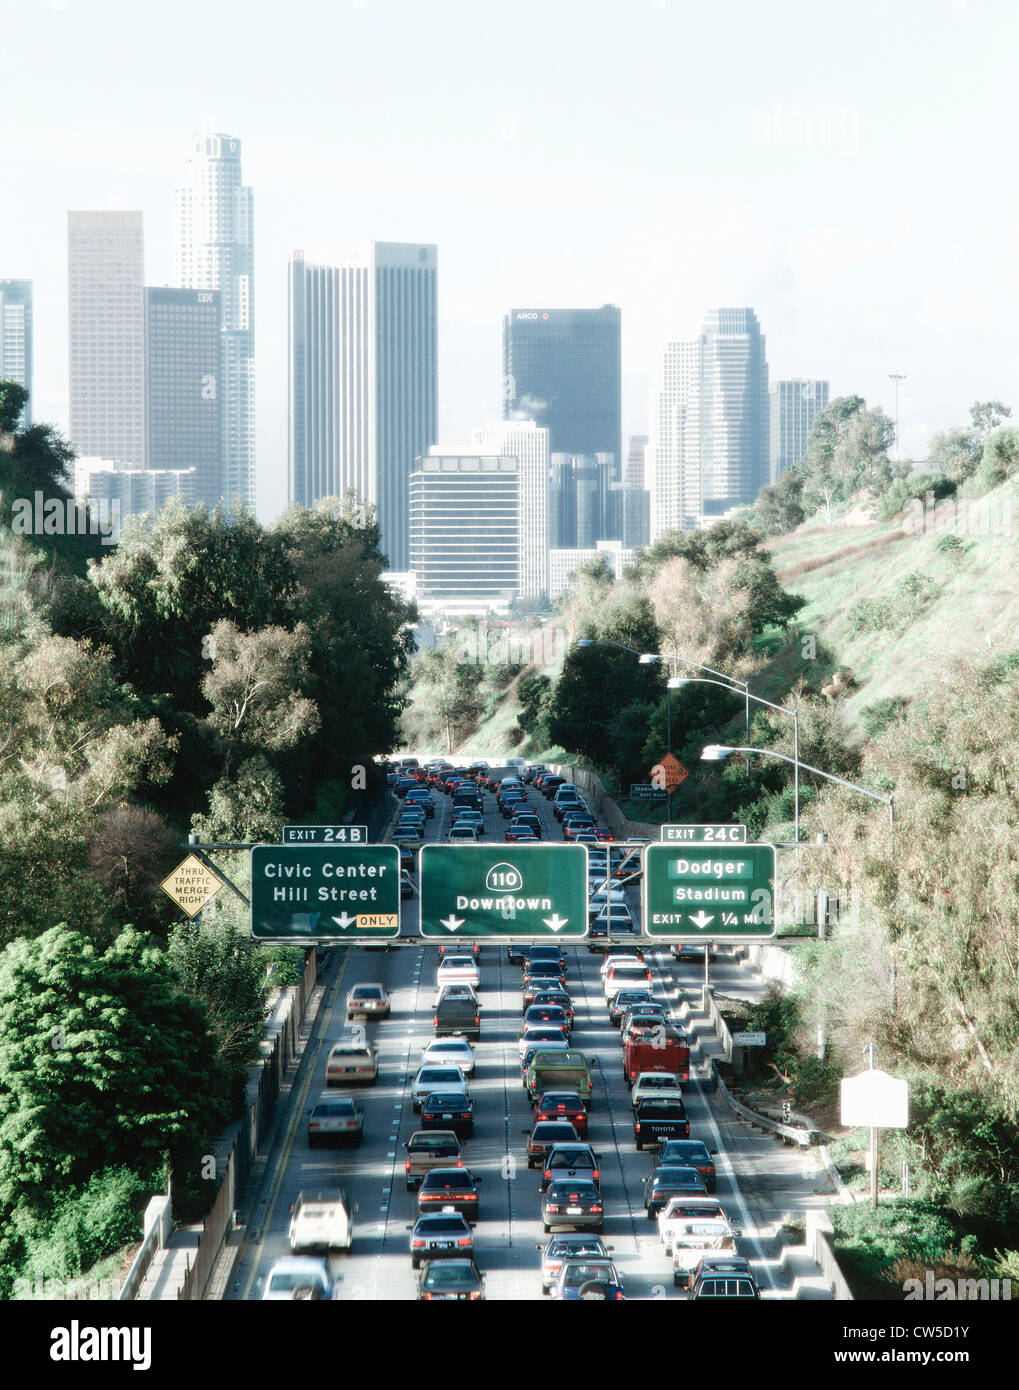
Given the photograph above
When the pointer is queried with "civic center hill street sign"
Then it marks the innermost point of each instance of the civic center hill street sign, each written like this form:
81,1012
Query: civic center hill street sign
325,892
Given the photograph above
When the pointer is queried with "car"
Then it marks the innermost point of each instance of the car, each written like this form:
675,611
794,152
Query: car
546,1016
435,1078
526,819
640,1017
558,1069
510,803
670,1180
565,1162
623,954
457,1013
451,1280
573,1202
731,1278
368,1001
423,799
408,838
470,817
695,1241
458,970
559,998
439,1236
622,1001
459,948
655,1083
463,832
516,952
298,1276
536,1049
604,897
403,785
351,1063
441,1188
582,1277
565,1247
448,1110
427,1149
680,1209
657,1118
335,1119
578,826
520,834
454,1052
611,919
563,1105
321,1221
628,975
554,954
540,1036
692,1153
538,983
545,1134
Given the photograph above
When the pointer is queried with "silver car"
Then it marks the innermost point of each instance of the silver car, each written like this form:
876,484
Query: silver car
298,1276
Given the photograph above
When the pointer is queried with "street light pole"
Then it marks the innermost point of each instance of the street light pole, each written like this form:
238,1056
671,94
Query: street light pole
896,377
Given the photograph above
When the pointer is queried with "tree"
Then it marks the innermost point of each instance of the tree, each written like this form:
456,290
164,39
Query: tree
218,964
779,506
847,449
1000,457
987,416
103,1061
449,696
13,399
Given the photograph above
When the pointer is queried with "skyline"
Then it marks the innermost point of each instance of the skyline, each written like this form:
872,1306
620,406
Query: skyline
835,200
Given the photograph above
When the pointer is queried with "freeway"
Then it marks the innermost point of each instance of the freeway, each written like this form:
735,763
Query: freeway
758,1180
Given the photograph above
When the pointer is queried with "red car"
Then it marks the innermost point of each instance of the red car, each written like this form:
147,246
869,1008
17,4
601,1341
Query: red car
563,1105
520,832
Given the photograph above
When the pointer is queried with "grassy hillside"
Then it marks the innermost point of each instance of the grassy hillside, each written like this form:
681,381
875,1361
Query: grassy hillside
972,607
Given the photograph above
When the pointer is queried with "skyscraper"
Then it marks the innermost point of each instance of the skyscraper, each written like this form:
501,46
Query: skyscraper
633,469
16,339
363,379
182,348
793,405
709,447
561,368
214,250
464,531
107,334
527,442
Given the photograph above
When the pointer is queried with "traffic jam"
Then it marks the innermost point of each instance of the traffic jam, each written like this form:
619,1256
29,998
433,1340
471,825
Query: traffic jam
575,1024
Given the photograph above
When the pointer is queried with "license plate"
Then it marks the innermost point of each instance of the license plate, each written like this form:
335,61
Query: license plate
443,1245
574,1211
447,1117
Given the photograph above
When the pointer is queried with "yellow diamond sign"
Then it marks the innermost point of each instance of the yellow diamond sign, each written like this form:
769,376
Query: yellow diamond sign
192,885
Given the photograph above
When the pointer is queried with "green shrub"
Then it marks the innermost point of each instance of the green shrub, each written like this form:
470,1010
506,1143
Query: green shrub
86,1225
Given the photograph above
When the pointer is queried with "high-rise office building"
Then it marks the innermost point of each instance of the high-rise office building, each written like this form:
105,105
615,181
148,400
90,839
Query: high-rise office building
107,334
16,339
214,250
792,407
363,379
527,442
182,350
561,368
464,531
709,447
628,516
578,510
633,468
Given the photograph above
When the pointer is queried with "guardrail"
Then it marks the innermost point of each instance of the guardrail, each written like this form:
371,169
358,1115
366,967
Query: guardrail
790,1134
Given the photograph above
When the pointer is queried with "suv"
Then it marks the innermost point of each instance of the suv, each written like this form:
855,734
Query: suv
456,1014
569,1161
728,1278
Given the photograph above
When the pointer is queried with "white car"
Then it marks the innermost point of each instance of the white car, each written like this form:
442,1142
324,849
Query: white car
655,1083
321,1221
678,1210
616,958
458,970
692,1240
464,831
435,1078
298,1276
449,1052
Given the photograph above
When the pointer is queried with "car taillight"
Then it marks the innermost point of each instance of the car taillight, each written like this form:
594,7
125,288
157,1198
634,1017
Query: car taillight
619,1294
406,1165
435,1021
594,1175
313,1124
552,1207
426,1298
474,1295
637,1126
476,1019
417,1245
459,1163
464,1241
596,1208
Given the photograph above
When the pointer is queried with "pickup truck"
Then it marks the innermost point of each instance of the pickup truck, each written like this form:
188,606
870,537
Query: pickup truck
661,1048
558,1071
655,1120
321,1221
427,1149
692,1239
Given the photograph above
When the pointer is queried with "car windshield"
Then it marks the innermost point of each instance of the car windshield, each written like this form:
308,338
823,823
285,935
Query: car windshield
573,1191
551,1129
450,1272
285,1281
653,1105
446,1100
442,1226
330,1109
448,1182
571,1158
581,1272
666,1176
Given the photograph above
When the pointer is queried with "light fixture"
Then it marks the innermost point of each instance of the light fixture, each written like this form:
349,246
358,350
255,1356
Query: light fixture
677,682
583,642
716,753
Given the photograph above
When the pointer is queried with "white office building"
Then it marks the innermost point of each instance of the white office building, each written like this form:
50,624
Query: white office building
133,490
214,250
106,310
709,447
527,442
563,563
364,379
464,533
16,339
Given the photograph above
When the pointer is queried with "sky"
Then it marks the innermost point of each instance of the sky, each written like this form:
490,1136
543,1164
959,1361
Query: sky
846,169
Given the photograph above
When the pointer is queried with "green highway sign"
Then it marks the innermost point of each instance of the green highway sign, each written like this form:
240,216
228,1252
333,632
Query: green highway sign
503,892
709,892
705,834
347,893
647,791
